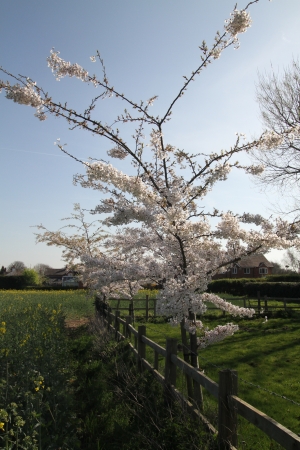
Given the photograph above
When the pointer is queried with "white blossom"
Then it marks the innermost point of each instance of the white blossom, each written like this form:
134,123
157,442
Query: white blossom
227,306
252,218
270,140
239,22
63,68
216,53
117,152
26,95
255,169
217,334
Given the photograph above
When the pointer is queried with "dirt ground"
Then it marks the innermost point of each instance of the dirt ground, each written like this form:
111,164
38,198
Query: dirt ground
75,323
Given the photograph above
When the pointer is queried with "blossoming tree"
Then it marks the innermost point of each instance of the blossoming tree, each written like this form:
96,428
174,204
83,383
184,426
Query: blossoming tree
163,230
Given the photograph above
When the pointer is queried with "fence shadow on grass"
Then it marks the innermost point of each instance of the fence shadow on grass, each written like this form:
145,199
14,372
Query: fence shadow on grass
230,406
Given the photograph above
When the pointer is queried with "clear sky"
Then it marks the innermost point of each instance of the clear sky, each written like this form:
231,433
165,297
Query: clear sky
147,46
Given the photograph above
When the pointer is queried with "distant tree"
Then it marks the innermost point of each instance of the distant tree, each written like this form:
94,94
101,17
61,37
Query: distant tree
19,266
277,268
291,260
279,101
41,268
2,270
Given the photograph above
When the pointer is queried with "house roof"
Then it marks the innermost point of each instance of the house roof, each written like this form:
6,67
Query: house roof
254,261
56,272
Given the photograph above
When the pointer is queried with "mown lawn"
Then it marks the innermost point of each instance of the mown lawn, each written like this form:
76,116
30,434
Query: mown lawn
266,356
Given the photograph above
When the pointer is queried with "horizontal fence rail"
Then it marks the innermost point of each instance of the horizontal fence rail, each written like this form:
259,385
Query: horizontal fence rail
263,304
229,404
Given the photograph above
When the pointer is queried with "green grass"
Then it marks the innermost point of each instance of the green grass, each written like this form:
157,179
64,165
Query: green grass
265,354
71,389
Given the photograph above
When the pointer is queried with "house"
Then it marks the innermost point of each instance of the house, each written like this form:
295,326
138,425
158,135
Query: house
63,277
253,266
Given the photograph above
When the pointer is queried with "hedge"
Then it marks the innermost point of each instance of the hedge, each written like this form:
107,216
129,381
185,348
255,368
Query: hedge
233,286
12,282
250,287
282,277
289,290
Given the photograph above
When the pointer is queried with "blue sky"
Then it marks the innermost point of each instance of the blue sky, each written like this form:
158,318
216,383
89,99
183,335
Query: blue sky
147,46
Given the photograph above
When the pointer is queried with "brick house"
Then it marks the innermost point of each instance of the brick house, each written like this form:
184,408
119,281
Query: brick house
254,266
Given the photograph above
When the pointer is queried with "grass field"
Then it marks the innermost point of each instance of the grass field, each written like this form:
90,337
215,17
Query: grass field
59,390
265,354
74,303
266,357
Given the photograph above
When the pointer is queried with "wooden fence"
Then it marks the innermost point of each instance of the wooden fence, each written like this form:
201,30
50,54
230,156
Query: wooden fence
149,305
130,308
264,303
229,404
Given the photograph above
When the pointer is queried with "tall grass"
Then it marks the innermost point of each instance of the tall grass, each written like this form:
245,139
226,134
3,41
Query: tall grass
35,372
73,303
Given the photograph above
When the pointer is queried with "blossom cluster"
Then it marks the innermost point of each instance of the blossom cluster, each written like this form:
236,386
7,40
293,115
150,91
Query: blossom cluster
271,139
192,325
26,95
239,22
227,306
216,335
117,152
256,169
107,173
63,68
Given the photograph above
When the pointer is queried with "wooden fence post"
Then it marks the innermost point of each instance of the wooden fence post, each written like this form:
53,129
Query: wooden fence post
141,346
108,318
128,320
147,307
131,310
227,426
198,397
170,369
197,394
266,304
186,357
258,302
117,325
154,300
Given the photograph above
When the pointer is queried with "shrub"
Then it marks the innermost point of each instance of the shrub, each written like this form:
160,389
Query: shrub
31,277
